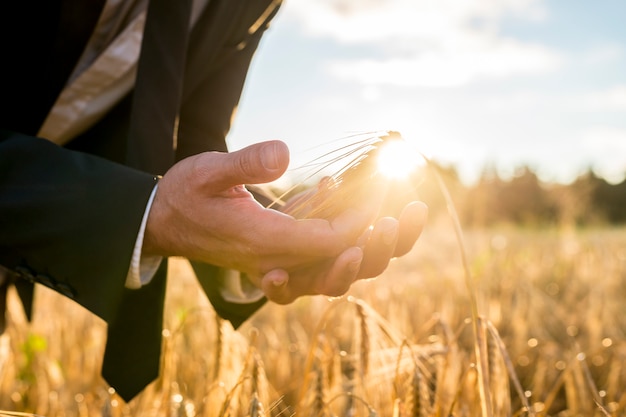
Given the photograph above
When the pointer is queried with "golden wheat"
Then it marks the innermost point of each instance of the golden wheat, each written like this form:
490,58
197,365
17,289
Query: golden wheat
534,318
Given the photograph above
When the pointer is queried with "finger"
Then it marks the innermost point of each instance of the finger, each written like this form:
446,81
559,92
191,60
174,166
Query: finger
380,247
412,221
344,230
274,285
365,237
353,222
342,273
255,164
312,238
332,279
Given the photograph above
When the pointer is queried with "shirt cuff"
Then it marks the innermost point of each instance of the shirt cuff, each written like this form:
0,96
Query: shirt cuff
142,268
236,288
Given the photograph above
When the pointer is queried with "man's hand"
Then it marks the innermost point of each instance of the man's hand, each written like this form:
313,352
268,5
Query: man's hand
203,212
388,238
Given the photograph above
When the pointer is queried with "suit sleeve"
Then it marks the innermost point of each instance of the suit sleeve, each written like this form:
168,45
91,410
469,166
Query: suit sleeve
69,220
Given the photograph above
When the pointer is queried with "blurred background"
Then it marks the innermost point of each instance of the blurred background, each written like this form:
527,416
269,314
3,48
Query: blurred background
496,85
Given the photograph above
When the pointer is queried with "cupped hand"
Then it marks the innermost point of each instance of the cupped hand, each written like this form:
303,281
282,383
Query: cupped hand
203,212
386,239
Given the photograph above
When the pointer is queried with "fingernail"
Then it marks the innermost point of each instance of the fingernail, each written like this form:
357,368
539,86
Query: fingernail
269,157
279,280
355,265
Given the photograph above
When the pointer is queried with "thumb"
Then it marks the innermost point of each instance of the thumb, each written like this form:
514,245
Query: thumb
256,164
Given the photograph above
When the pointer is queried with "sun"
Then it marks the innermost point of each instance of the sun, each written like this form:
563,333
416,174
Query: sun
397,160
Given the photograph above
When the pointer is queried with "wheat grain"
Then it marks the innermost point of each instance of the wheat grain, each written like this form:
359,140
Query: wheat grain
516,279
498,345
318,404
358,183
256,407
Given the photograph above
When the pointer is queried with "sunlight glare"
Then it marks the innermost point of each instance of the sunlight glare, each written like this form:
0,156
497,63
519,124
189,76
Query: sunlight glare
396,159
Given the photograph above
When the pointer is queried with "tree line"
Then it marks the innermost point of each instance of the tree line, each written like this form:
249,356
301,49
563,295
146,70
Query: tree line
525,199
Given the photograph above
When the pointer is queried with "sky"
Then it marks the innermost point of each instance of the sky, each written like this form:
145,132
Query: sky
470,83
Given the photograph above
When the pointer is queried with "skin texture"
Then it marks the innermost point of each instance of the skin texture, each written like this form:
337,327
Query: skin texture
203,212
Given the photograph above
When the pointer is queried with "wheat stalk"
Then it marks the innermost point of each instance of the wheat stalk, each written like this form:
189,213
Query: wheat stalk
327,202
364,346
219,347
480,342
499,345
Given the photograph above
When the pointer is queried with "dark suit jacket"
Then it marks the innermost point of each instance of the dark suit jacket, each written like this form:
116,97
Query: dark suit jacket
69,216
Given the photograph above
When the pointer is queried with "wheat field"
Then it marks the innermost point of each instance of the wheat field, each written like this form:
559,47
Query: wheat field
551,325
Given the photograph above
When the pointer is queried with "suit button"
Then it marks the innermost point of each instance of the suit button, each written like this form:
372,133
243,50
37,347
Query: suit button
66,290
46,280
24,273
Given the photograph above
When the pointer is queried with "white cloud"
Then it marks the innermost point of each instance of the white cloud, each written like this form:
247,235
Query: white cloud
366,20
426,43
498,58
612,99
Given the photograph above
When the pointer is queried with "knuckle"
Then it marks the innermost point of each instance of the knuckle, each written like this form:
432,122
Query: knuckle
199,169
246,164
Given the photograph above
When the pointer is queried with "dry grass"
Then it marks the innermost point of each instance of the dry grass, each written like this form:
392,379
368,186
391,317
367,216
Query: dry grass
505,322
551,308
